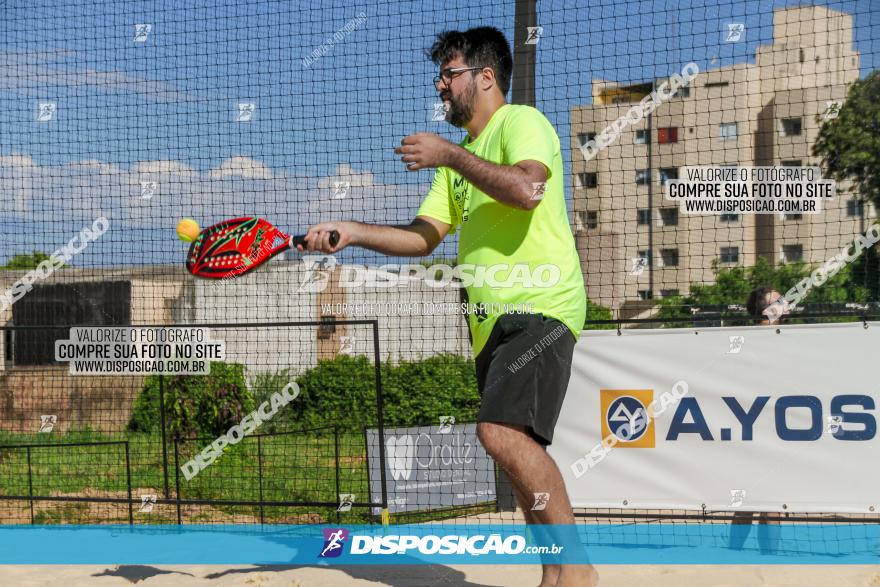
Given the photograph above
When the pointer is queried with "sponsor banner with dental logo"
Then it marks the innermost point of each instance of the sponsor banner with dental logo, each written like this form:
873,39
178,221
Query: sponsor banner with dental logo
431,467
757,418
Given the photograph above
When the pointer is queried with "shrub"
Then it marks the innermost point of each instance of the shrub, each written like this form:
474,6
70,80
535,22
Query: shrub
339,391
263,385
419,392
335,391
195,405
342,391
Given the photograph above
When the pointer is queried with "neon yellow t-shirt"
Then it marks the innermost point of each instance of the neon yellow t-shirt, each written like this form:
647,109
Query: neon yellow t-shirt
535,248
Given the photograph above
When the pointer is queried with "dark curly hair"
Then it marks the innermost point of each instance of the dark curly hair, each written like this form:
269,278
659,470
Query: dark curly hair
757,302
479,47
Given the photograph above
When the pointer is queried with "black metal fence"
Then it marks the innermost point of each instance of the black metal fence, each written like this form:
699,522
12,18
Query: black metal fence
72,451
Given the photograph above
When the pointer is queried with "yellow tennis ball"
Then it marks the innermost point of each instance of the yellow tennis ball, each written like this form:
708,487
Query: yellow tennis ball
187,230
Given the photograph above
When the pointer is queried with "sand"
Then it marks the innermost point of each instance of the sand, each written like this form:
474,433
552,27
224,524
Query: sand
429,575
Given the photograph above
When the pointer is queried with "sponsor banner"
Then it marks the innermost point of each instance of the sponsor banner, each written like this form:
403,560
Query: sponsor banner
433,544
754,418
430,467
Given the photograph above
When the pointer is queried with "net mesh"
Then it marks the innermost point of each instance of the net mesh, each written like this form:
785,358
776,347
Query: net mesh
121,118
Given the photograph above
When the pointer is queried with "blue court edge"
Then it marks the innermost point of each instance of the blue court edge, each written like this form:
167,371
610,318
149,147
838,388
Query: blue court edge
441,544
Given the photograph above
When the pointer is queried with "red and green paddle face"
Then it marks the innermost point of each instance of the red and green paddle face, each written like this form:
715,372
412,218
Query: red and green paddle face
233,247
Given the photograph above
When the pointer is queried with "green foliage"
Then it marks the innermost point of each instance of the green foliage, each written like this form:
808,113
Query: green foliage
419,392
865,273
597,312
849,144
334,391
339,391
436,274
342,391
263,386
451,261
732,286
25,260
195,405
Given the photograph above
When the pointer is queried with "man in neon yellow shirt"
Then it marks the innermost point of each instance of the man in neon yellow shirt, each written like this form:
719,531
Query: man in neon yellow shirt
504,186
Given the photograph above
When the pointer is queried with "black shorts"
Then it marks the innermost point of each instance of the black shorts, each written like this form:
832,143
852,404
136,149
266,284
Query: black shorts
523,373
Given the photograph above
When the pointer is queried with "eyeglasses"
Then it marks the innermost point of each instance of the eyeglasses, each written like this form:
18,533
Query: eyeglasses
449,73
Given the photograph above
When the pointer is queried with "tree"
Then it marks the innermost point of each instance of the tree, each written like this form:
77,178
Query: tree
849,144
25,260
732,286
598,312
430,265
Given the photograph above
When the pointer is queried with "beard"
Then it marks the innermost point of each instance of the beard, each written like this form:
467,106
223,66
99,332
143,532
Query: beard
461,109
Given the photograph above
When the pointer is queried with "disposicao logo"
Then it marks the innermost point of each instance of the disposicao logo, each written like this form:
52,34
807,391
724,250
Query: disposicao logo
334,538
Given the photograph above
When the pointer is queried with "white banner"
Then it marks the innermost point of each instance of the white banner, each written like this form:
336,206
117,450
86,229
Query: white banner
770,421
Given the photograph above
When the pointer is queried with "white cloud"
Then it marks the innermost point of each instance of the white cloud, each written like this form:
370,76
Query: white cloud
31,73
17,161
238,186
95,166
344,172
244,167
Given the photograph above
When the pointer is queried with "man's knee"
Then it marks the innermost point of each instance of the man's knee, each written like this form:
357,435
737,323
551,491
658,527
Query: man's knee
490,434
495,436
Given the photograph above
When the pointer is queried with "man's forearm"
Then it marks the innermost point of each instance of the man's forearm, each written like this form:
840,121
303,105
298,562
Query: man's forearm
395,241
507,184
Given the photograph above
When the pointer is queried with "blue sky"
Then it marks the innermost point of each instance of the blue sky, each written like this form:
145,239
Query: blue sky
165,109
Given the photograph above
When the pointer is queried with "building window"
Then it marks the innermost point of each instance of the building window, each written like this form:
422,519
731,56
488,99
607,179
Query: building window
727,131
729,254
792,216
669,216
684,92
641,137
667,135
642,176
669,257
855,207
717,84
790,127
792,163
592,219
644,216
585,137
729,217
792,253
667,173
802,55
645,294
646,255
668,293
588,179
587,219
327,327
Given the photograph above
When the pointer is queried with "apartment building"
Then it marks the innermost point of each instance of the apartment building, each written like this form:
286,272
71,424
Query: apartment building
635,245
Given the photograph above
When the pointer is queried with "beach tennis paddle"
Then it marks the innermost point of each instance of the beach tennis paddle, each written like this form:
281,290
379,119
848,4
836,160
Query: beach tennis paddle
237,246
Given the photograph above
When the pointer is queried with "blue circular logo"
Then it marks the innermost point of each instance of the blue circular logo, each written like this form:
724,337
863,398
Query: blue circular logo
627,418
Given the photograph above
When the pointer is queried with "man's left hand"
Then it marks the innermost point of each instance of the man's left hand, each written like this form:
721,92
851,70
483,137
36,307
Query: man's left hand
425,150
